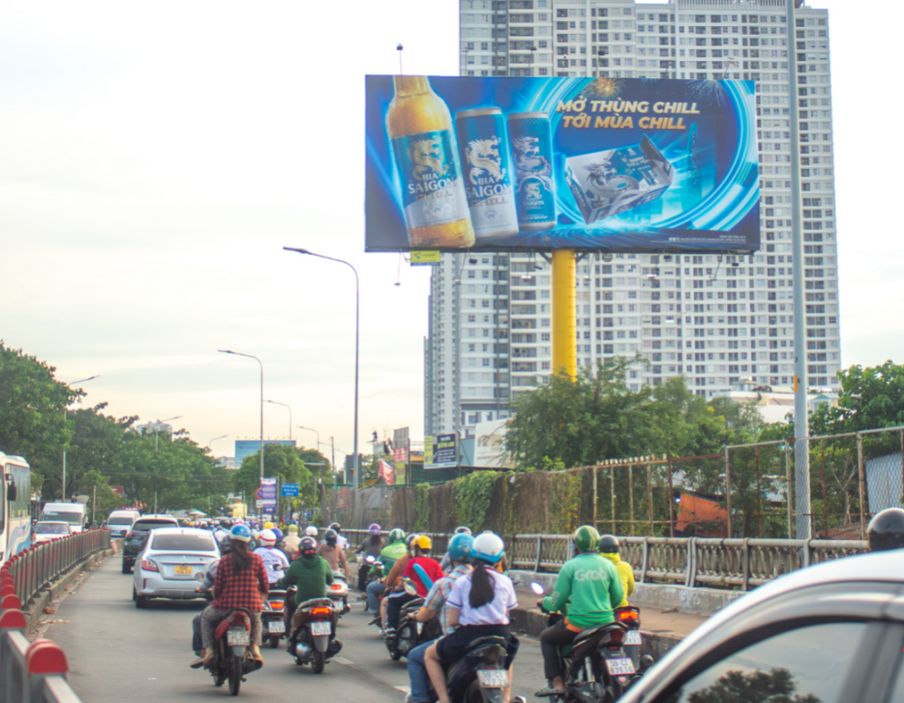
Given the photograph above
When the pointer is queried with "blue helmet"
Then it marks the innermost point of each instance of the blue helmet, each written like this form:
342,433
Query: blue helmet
240,533
488,547
460,547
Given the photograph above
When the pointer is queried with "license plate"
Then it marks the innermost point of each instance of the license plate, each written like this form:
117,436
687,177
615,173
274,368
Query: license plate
236,637
492,678
632,637
276,627
183,570
620,666
321,627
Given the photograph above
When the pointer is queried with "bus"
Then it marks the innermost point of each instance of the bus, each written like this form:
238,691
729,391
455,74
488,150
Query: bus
15,499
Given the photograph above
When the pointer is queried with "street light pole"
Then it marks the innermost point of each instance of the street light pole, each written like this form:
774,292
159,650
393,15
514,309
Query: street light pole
65,417
222,436
276,402
316,433
356,469
261,364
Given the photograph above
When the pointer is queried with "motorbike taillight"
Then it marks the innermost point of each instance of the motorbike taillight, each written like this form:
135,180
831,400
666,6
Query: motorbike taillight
321,611
628,616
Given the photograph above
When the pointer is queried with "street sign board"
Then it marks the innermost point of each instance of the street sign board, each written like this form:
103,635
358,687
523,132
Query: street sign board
289,490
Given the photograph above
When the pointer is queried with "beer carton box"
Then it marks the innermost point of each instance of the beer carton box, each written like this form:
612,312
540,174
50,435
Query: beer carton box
608,182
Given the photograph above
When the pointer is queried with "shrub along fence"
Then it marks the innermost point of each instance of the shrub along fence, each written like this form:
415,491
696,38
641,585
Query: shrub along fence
745,491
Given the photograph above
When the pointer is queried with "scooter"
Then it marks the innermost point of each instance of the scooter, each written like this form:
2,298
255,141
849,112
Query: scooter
232,651
410,633
273,617
371,569
480,675
629,616
338,592
597,666
313,633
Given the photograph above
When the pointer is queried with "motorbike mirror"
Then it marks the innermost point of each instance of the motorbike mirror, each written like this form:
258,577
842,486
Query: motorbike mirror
537,588
199,577
409,587
369,559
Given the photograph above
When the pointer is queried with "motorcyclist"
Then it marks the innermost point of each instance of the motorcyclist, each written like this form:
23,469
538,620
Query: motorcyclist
446,561
343,541
393,551
393,579
240,583
291,541
589,585
310,574
609,547
370,547
333,552
422,570
478,606
886,530
206,586
311,531
434,607
274,558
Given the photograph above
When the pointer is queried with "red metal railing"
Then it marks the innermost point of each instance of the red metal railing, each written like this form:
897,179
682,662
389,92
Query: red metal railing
37,566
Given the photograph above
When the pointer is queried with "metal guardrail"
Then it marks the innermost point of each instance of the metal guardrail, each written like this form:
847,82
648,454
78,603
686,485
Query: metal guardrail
35,672
37,566
737,564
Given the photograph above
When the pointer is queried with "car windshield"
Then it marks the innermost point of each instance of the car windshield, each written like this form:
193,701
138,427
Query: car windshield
183,543
44,528
145,525
71,518
119,521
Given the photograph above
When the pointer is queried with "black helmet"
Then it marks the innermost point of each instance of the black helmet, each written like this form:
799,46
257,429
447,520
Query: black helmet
886,530
330,537
307,547
609,544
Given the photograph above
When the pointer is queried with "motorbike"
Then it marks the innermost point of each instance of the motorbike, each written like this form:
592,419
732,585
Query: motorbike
598,667
273,617
313,633
371,569
232,651
338,592
480,675
410,633
629,616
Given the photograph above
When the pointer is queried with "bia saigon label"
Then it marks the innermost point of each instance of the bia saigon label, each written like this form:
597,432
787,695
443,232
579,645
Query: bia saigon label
432,189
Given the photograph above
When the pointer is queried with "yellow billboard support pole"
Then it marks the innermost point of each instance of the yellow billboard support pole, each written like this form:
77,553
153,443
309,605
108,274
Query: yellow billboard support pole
564,325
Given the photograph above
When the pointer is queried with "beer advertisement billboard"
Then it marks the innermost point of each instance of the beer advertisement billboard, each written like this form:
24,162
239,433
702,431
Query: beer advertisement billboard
599,164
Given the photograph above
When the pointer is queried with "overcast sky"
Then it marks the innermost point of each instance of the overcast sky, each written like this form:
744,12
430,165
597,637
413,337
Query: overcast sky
156,157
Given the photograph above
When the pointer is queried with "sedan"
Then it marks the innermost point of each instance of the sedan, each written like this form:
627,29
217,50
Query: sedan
172,564
46,530
827,634
137,535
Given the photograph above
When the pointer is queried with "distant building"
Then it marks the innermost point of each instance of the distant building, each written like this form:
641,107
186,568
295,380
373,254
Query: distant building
247,447
777,404
712,319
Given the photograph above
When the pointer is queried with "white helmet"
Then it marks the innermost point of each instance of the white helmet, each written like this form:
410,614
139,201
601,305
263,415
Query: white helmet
488,547
268,538
310,531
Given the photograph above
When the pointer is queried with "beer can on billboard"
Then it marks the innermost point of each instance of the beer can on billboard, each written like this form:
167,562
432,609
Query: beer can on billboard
487,168
531,140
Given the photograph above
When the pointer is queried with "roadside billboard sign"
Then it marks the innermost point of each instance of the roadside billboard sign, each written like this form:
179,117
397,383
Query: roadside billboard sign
442,450
599,164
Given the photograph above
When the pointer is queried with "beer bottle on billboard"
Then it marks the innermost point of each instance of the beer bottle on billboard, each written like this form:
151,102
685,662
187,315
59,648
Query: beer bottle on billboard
423,142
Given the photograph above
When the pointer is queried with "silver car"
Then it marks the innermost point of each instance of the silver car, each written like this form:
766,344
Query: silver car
170,562
825,634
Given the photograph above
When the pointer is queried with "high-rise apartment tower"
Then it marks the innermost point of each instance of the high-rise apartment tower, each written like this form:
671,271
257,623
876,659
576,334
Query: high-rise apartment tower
722,322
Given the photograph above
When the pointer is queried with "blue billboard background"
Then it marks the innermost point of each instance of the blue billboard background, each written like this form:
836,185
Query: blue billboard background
693,142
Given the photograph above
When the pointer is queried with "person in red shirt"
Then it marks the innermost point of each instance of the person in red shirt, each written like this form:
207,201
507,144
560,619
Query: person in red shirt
422,570
240,584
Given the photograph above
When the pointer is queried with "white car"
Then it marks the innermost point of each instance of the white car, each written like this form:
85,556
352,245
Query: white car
46,530
170,562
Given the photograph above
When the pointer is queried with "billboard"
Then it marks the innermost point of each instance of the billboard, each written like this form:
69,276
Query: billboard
505,164
441,451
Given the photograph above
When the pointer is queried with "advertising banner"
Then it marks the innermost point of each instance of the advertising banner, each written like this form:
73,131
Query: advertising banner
266,494
621,165
444,451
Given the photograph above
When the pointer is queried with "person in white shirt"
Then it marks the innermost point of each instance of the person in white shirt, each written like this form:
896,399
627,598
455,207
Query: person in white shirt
477,606
275,560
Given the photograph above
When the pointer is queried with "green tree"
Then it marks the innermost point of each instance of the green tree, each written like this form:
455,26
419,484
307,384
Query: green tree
869,398
280,461
32,415
775,686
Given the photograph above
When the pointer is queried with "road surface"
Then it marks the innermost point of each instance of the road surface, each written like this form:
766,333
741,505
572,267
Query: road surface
117,652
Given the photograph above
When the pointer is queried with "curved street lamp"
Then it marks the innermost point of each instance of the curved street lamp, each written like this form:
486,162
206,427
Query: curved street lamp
261,363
